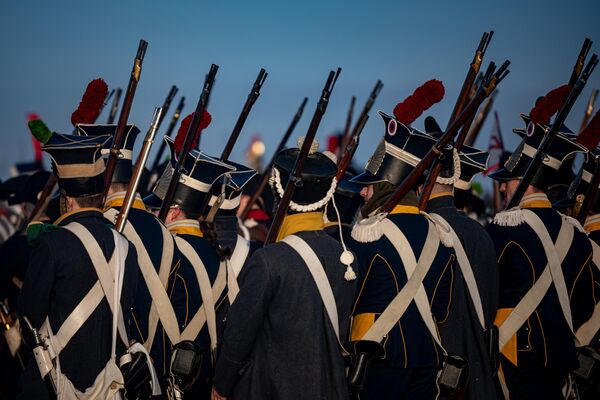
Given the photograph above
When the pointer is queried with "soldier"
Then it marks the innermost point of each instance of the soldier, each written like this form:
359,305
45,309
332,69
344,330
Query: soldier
153,242
198,265
541,255
407,364
278,340
474,303
588,332
73,278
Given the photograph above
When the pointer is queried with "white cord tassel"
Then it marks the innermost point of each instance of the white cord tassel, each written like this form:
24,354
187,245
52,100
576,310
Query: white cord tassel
275,181
347,258
456,168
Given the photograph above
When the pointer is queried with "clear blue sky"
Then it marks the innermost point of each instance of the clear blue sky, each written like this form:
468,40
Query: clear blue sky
52,49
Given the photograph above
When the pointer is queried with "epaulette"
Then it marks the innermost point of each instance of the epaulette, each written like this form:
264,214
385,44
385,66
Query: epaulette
512,217
368,229
573,222
442,227
36,229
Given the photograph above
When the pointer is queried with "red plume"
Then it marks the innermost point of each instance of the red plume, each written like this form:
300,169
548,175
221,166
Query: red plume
590,136
32,116
547,106
185,126
333,143
91,103
425,96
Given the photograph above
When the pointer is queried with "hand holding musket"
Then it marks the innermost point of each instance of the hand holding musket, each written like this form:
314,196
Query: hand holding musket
169,132
410,181
437,164
295,176
352,144
265,177
120,132
137,170
463,97
115,106
552,132
189,140
237,129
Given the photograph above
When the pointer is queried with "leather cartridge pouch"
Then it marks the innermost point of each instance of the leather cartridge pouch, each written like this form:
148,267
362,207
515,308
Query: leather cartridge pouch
589,365
491,339
363,353
453,377
185,364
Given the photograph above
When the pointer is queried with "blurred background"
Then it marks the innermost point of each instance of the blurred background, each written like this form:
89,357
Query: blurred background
51,50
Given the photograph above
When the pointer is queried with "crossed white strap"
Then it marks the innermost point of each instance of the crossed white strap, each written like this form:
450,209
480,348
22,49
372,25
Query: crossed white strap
234,265
465,267
589,329
413,290
104,287
555,254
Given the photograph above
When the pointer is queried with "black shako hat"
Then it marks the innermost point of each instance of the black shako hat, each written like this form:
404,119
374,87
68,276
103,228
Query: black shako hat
562,148
316,186
581,184
77,162
400,150
471,161
200,174
123,167
235,182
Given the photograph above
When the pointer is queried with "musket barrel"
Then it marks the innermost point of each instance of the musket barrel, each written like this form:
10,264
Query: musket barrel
265,178
138,170
189,139
302,154
551,134
115,106
124,116
237,129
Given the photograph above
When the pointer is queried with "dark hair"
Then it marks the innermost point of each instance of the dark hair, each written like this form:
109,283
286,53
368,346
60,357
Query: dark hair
119,186
210,234
94,201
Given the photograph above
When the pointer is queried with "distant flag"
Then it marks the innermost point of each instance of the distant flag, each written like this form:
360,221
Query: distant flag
496,146
37,146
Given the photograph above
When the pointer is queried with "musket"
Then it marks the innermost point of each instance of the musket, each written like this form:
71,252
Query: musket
137,170
237,129
474,67
352,143
480,120
295,176
437,164
552,132
589,109
413,177
188,142
124,115
346,135
114,106
265,178
578,67
170,129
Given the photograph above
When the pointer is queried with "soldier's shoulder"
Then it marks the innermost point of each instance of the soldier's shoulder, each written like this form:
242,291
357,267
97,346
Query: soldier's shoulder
38,231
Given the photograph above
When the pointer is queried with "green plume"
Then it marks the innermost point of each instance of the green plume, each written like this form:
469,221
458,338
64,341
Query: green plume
40,130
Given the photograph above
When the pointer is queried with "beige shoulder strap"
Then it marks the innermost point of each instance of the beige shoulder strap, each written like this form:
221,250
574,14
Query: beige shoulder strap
234,266
104,287
160,309
590,328
318,274
208,302
555,254
465,268
413,290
